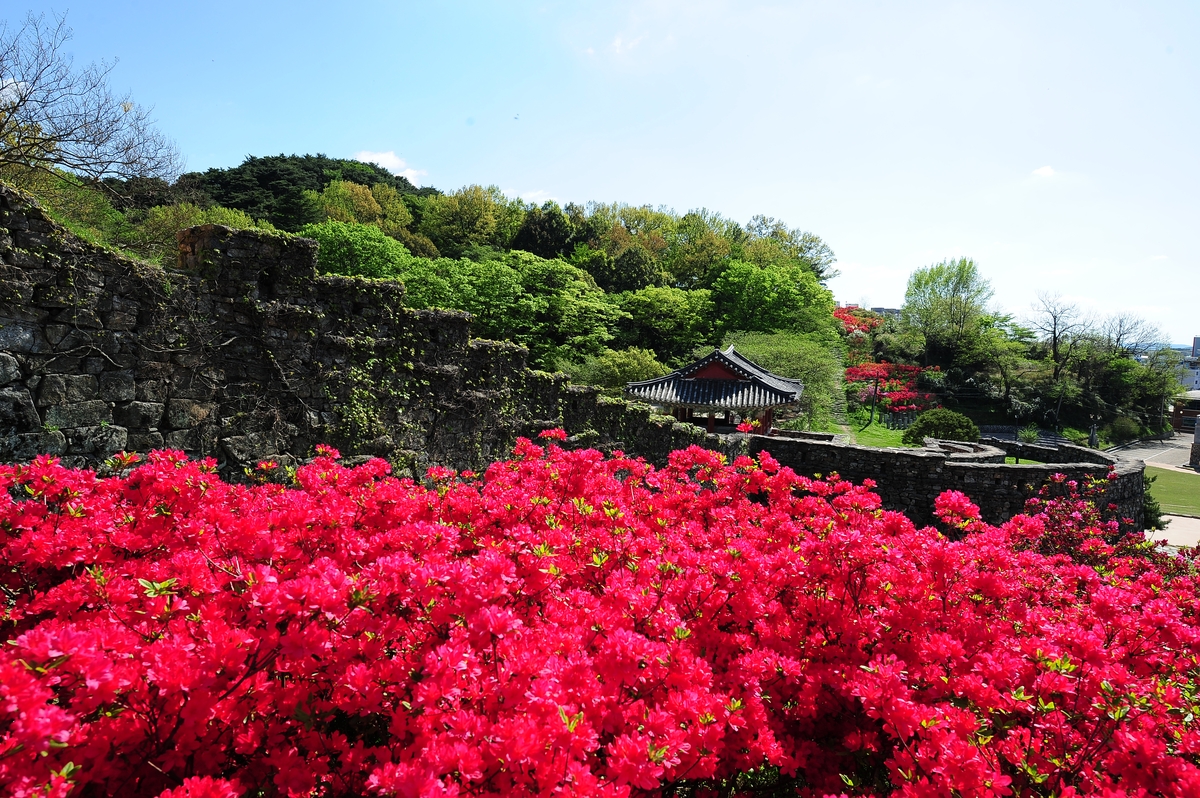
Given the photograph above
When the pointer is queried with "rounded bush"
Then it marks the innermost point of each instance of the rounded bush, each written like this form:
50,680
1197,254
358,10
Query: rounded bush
1124,429
942,424
356,249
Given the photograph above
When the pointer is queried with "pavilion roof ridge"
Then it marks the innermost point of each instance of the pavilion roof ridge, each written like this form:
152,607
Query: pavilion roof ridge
756,387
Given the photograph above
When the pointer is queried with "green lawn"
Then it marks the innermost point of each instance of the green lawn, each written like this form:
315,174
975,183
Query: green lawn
1177,492
877,435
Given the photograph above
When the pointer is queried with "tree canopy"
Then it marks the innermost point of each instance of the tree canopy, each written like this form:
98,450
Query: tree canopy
274,187
943,302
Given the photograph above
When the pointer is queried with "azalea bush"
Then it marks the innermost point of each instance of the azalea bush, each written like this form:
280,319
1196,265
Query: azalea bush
857,328
894,385
571,623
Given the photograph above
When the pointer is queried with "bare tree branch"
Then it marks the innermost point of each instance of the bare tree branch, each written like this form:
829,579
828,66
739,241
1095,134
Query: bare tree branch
55,116
1063,327
1130,334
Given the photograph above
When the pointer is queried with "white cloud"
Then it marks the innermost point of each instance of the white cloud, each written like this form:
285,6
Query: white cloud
393,163
11,90
621,45
1045,171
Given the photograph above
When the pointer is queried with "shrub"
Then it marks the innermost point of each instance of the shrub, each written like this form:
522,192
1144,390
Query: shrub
612,369
942,424
571,623
1123,429
356,249
1152,512
1029,434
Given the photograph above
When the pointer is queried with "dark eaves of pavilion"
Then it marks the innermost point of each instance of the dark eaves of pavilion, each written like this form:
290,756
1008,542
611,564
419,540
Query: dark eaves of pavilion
724,382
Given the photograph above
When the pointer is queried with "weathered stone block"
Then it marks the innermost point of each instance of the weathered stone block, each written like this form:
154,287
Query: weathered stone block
117,386
17,411
185,439
79,414
144,441
22,448
188,413
139,415
10,369
58,389
100,441
246,450
119,320
85,318
150,391
22,338
198,441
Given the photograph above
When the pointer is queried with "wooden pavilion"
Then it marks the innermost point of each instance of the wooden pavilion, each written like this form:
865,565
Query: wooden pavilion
724,382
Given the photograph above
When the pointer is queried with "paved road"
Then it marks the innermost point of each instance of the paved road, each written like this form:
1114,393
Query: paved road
1171,452
1182,531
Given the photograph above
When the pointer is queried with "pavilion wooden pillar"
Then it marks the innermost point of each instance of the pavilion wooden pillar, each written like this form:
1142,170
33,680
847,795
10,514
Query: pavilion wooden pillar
768,419
712,421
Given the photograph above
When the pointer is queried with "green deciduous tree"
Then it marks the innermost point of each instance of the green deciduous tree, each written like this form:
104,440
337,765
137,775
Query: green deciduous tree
471,216
571,316
380,205
772,298
613,369
699,247
546,231
945,303
357,249
769,242
670,321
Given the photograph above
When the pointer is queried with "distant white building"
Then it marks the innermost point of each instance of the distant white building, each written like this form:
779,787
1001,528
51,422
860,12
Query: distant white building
1189,372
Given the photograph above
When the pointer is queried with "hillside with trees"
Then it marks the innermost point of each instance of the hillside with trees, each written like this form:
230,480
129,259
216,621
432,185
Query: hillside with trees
1057,368
608,292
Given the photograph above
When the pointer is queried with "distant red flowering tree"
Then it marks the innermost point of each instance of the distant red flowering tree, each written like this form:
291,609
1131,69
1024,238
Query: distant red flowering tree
857,324
567,623
897,386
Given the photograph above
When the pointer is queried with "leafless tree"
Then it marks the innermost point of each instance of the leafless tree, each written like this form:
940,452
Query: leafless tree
54,116
1125,332
1063,327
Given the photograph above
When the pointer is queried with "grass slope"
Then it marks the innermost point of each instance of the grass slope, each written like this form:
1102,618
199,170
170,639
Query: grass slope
878,435
1177,492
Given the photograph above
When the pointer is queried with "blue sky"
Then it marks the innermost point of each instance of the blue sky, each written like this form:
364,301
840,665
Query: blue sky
1054,142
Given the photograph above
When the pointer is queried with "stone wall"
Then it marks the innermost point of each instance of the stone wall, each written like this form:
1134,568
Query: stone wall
243,352
911,479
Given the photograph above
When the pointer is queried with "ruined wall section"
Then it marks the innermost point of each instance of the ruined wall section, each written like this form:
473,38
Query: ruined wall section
243,352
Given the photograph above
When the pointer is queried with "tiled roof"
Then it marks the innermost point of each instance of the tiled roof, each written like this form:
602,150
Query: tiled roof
757,388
